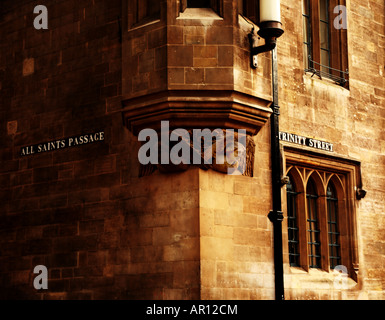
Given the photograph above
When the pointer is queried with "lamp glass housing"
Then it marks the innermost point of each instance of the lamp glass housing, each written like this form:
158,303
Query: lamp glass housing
269,10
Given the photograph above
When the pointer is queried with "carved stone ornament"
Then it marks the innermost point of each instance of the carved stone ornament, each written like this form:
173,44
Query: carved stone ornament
233,155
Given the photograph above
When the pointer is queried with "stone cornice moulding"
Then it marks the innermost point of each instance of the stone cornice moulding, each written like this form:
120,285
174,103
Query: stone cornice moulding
192,109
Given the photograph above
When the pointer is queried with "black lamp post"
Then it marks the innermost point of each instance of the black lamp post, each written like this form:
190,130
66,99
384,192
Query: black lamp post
276,215
270,29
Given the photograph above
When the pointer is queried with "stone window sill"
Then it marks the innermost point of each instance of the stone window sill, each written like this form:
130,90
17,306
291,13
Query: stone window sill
324,79
199,13
143,24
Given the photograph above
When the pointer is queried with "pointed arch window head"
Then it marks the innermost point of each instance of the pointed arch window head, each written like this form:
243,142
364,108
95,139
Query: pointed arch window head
331,193
310,188
290,186
333,226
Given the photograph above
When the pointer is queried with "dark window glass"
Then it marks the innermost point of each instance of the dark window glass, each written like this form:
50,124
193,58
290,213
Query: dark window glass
312,226
146,11
324,36
292,225
249,9
325,47
333,227
198,3
306,31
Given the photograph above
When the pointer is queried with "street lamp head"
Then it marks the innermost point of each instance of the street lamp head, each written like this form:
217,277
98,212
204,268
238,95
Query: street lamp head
270,25
269,10
270,28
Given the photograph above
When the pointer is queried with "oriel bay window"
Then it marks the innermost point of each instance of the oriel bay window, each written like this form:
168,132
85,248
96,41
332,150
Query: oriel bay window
324,42
320,218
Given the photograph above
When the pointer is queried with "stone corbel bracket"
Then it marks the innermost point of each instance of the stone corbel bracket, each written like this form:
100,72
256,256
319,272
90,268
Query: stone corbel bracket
197,110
